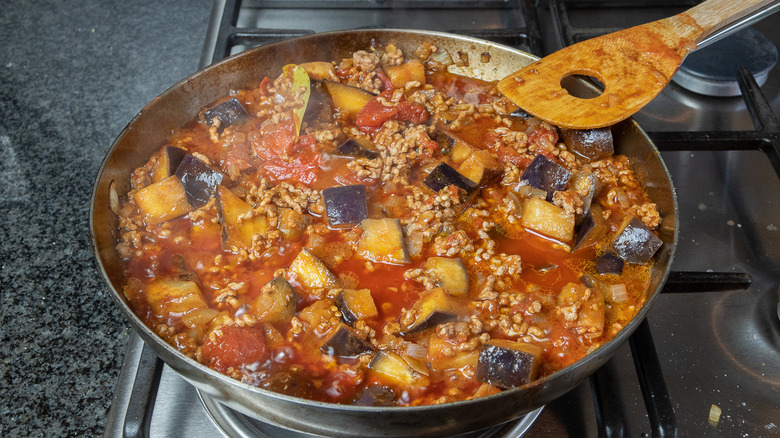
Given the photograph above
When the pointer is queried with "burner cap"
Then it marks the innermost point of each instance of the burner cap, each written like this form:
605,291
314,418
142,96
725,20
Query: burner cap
713,70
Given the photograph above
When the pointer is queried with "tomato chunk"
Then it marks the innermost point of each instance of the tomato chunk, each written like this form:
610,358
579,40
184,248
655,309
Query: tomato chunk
375,114
236,347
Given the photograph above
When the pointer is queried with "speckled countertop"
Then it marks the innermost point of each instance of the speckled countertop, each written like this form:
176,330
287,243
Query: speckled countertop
72,75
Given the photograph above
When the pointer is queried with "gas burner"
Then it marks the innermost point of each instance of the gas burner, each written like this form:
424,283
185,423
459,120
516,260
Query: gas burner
235,424
713,70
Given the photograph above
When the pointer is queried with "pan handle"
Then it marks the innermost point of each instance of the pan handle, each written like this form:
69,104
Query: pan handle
138,418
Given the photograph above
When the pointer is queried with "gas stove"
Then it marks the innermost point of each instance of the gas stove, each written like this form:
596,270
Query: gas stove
706,362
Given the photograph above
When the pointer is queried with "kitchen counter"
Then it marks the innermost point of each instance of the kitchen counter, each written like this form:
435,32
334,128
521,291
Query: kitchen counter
72,75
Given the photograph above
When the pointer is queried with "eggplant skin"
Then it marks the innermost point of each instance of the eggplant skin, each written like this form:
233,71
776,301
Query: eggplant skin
200,181
547,175
609,263
345,343
352,148
444,175
229,112
508,364
635,243
376,395
345,206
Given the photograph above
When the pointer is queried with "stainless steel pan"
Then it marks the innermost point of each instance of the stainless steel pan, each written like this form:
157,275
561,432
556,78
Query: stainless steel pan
182,102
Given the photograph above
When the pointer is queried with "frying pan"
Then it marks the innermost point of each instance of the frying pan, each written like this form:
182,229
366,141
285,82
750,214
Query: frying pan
181,103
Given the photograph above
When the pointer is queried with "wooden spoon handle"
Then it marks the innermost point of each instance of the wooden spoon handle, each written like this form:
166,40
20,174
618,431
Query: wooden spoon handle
714,15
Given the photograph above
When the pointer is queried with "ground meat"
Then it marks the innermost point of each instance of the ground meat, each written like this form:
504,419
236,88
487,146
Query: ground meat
392,55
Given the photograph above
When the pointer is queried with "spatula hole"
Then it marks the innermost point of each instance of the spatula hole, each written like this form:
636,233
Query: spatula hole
576,86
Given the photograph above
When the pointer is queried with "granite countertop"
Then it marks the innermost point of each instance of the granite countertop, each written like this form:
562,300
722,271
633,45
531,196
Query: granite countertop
72,75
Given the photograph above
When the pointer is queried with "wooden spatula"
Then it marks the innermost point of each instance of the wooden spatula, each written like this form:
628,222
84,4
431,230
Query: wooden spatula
634,65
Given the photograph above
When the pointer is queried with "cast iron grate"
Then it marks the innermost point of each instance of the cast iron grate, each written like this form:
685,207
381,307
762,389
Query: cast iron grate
230,34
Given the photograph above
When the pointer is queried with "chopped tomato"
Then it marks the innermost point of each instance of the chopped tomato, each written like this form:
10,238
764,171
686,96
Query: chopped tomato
375,114
236,158
304,168
275,140
542,135
235,347
412,112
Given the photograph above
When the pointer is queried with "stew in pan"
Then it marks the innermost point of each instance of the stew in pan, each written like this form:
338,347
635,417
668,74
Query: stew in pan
379,231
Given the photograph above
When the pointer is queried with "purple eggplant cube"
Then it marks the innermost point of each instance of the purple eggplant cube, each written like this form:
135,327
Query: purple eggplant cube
635,243
345,343
590,144
444,175
545,174
345,206
376,395
200,181
229,112
609,263
352,148
508,364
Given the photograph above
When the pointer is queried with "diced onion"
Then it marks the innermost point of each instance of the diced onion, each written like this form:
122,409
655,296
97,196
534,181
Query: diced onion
618,292
416,351
442,57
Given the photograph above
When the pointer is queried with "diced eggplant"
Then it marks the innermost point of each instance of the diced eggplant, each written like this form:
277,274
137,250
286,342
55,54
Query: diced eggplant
343,342
449,274
229,112
587,185
400,75
291,381
440,355
508,364
355,304
239,225
318,313
200,181
173,296
394,368
277,301
382,241
591,229
376,395
481,167
590,144
545,174
451,144
169,159
352,148
460,152
443,176
547,219
609,263
348,100
318,70
635,243
311,272
589,320
162,201
292,224
432,308
345,206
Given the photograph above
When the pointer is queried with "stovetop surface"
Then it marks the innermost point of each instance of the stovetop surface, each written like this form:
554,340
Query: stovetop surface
715,348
